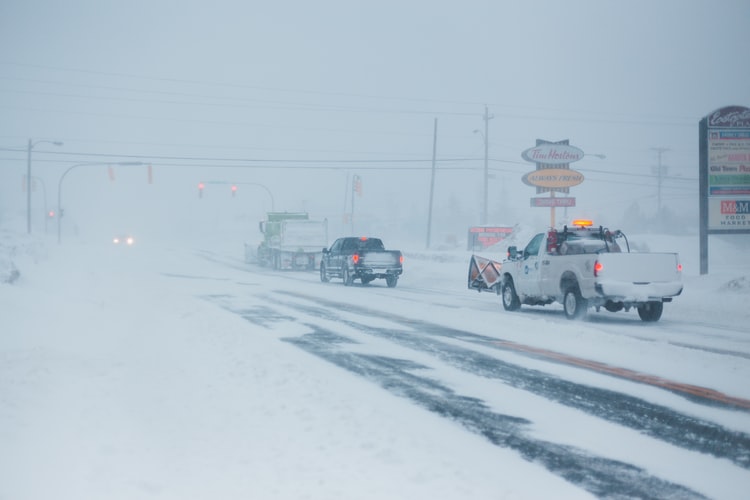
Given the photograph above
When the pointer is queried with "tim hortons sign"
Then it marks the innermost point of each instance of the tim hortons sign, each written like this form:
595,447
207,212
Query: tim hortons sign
553,178
553,154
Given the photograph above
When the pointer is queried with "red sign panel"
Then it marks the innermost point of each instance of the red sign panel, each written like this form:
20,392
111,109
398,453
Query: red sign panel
553,202
481,237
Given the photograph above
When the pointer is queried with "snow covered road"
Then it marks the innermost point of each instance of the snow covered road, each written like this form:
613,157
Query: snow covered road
167,373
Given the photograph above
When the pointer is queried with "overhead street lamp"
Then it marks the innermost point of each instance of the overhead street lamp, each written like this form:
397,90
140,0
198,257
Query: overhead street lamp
62,177
28,178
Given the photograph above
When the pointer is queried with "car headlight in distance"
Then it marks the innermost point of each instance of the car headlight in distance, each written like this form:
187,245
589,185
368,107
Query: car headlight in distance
129,240
116,240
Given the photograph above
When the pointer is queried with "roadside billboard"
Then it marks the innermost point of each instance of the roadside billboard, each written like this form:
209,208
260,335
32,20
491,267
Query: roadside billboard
553,173
724,175
483,237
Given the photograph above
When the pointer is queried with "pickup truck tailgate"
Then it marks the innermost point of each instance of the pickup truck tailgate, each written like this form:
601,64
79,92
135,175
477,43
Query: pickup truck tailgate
639,275
639,267
380,260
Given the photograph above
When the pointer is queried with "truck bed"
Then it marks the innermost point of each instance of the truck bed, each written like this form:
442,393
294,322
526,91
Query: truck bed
382,259
638,276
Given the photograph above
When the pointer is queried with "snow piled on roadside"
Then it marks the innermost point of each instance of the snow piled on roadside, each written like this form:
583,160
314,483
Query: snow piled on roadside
121,380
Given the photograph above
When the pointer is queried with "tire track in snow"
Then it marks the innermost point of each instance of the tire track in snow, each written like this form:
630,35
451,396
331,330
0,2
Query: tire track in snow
599,475
657,421
603,477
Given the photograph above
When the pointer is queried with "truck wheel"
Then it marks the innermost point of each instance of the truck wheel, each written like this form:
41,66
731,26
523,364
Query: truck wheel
574,304
347,276
391,281
511,302
324,273
651,311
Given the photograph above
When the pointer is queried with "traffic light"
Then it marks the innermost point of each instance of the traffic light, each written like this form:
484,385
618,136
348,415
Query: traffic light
51,214
200,189
234,189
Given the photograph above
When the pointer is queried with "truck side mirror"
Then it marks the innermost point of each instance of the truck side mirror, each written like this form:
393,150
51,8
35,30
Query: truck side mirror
512,252
325,250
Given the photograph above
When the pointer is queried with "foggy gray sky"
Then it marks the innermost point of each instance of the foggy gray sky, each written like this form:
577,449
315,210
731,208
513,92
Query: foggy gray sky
299,96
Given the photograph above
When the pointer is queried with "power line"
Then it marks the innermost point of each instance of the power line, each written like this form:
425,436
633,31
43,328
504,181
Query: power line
333,164
245,160
623,118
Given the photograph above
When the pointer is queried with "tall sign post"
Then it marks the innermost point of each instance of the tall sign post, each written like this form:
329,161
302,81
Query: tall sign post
724,144
553,173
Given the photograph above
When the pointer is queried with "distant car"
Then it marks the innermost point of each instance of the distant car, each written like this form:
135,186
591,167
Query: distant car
126,240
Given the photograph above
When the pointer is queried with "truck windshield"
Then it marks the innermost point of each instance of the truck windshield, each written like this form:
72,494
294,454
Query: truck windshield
533,247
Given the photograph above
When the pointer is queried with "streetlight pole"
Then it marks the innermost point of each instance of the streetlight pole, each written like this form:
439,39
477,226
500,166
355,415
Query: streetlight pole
62,177
28,178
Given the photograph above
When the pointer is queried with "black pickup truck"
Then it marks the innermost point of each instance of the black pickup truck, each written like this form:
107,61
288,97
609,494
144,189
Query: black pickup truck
361,258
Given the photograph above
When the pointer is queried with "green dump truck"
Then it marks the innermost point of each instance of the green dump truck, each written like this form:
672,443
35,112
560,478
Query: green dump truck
291,240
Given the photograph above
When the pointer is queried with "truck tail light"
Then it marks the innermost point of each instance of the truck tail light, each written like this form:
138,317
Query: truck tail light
355,258
679,267
401,259
598,267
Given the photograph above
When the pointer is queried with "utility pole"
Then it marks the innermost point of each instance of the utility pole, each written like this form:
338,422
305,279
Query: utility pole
432,184
28,188
660,171
487,117
354,180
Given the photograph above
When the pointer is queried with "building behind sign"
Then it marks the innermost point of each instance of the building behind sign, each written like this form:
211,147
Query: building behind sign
483,237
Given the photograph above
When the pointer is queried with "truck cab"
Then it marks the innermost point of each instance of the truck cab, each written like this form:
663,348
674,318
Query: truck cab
528,265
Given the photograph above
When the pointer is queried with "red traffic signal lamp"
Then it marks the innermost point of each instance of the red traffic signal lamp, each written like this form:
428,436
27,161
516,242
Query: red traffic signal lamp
51,214
200,189
234,189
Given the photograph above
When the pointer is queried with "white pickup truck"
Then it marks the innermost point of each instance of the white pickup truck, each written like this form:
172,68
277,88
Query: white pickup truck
581,267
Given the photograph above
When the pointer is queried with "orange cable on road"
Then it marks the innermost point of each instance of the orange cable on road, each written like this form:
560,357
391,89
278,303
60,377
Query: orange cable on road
694,390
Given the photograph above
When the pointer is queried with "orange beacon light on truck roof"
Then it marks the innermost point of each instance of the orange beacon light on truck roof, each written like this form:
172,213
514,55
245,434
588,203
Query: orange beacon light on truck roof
583,223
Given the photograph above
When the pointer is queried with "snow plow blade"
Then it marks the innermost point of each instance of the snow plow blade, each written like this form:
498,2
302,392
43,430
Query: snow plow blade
484,274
